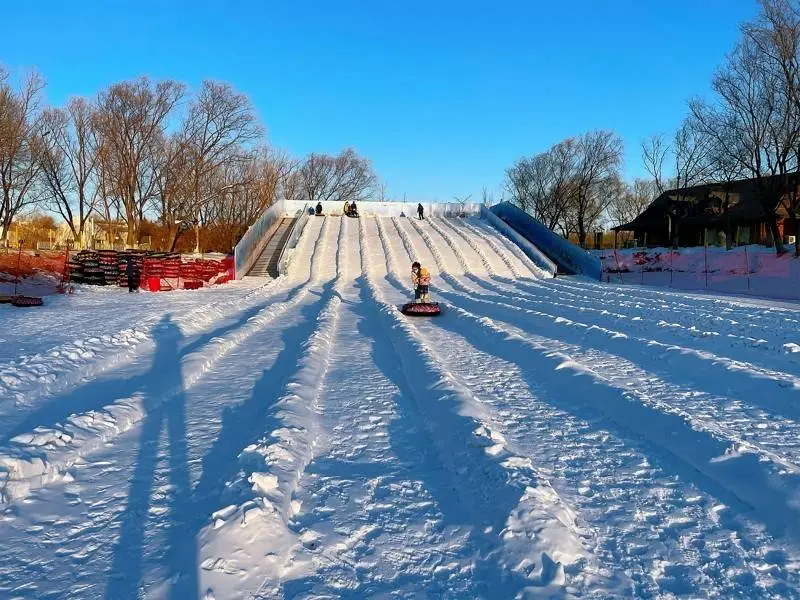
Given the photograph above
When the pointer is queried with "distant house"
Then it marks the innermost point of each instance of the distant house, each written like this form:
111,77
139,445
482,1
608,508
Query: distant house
694,214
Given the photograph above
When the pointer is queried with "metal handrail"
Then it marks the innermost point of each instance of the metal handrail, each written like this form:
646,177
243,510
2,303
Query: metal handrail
291,241
249,247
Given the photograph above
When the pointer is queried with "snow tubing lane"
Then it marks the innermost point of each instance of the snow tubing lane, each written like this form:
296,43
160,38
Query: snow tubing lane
427,309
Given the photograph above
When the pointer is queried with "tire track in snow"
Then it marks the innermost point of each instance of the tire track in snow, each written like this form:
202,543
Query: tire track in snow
495,280
456,251
764,386
392,538
508,248
488,265
750,386
86,535
737,310
776,330
516,272
615,488
746,353
43,456
751,444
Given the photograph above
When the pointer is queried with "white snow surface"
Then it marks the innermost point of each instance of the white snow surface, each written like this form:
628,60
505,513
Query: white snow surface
300,438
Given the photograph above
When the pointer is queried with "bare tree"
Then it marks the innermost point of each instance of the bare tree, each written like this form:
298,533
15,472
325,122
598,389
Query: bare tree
724,169
750,121
487,197
543,185
596,175
632,201
775,33
130,121
20,147
69,164
654,155
345,177
690,153
174,185
278,171
220,123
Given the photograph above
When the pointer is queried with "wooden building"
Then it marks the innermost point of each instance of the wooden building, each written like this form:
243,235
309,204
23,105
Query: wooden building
710,212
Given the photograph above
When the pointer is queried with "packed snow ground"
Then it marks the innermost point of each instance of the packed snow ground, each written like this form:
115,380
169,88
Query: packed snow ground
301,438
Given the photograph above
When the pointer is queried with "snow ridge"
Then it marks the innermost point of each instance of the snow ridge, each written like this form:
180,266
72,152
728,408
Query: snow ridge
30,378
285,453
502,252
707,453
487,264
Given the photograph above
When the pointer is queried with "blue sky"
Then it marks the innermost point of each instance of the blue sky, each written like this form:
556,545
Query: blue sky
442,96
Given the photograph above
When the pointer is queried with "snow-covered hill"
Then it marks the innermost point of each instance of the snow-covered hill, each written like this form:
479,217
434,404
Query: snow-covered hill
301,438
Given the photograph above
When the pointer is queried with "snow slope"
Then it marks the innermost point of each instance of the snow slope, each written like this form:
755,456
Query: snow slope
547,438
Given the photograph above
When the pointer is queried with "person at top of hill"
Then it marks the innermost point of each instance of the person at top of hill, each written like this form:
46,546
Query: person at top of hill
346,208
420,211
318,210
353,209
420,279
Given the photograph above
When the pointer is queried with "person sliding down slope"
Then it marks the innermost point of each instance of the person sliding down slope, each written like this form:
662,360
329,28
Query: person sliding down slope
420,279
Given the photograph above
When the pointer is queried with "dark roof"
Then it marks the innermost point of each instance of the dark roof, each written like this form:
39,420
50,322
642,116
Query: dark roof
696,198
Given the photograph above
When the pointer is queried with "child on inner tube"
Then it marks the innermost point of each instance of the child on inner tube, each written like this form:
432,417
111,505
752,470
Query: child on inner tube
420,279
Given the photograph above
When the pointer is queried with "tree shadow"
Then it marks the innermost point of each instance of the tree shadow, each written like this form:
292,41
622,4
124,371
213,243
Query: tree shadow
691,454
245,423
436,445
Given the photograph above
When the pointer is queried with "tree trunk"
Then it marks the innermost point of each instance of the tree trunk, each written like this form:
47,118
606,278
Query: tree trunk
675,240
727,208
130,240
772,226
794,221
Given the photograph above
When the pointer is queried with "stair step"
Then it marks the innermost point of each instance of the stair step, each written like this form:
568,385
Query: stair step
267,263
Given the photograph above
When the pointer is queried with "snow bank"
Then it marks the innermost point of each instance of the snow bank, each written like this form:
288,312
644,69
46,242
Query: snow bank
37,284
754,270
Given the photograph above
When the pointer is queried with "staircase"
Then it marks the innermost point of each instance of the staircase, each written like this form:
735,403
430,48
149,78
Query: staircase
267,263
